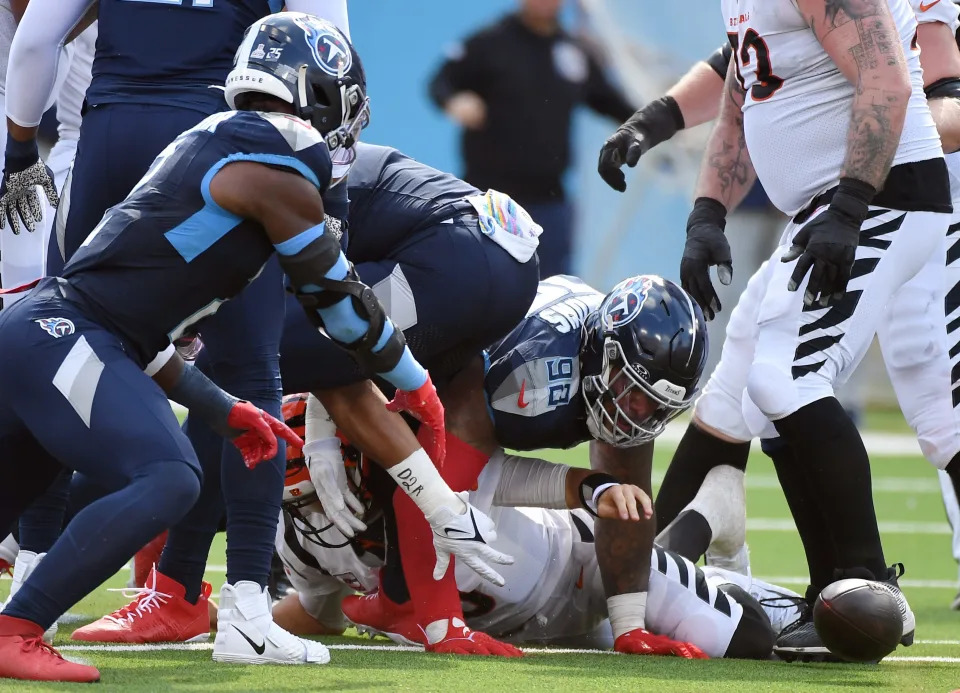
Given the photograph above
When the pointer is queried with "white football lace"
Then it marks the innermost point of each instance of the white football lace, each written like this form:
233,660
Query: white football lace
148,598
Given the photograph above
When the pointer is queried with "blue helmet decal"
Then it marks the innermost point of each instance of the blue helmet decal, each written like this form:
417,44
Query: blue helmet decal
330,48
624,303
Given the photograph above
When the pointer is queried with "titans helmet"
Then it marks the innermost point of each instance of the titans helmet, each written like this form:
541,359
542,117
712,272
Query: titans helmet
309,63
646,348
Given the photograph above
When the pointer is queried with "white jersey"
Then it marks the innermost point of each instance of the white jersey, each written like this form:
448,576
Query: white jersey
552,593
796,112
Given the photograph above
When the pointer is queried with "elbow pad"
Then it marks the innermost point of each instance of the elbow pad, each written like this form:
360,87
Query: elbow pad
316,292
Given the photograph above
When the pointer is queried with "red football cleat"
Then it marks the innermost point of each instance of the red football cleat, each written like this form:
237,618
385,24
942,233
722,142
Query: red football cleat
158,614
457,638
643,642
377,615
24,656
146,558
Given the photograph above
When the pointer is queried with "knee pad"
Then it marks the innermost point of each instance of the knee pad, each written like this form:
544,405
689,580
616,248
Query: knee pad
772,390
754,637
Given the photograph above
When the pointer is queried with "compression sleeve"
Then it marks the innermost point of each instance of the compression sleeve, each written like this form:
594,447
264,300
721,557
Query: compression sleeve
532,482
34,57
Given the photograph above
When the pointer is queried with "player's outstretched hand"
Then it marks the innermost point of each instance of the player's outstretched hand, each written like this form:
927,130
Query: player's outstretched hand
325,462
424,405
643,642
624,502
23,173
257,433
467,537
460,640
625,146
706,246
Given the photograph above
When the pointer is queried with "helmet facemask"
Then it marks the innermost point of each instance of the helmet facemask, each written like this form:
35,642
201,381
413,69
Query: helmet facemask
610,396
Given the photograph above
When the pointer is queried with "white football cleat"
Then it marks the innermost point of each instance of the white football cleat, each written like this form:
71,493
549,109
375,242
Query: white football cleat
246,633
27,562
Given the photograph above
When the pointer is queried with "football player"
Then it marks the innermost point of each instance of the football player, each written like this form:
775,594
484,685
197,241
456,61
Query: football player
554,594
454,268
142,95
912,336
214,207
580,367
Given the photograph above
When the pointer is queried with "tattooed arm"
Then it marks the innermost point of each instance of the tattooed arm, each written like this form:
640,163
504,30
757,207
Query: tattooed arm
623,549
726,173
861,38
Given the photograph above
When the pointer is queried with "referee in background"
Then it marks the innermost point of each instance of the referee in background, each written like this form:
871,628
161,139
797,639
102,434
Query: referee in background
513,86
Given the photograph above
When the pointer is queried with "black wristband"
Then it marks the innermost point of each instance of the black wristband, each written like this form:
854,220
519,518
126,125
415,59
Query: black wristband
706,210
588,488
948,87
659,120
853,198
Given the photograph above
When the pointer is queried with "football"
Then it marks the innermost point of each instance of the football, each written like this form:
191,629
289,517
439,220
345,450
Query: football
858,620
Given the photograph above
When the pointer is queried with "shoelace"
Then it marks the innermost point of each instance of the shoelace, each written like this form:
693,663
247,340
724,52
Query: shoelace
37,643
147,597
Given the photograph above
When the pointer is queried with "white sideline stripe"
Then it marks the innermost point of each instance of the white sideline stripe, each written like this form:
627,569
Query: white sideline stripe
399,648
884,484
776,524
877,443
914,584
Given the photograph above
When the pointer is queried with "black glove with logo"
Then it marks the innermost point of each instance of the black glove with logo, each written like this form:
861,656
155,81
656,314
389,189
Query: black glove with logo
23,173
656,122
706,245
827,245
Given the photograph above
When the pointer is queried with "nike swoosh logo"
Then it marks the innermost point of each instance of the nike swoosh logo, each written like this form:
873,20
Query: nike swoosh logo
476,531
523,386
259,649
926,6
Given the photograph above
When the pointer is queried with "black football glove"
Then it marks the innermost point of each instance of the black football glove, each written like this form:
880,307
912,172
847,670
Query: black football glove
827,245
656,122
23,173
706,245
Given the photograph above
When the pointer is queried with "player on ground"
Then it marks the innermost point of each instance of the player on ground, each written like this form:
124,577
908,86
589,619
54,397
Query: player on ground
555,594
824,493
452,278
581,367
214,207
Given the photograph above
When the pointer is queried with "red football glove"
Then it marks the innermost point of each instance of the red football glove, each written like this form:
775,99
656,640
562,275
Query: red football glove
257,440
642,642
424,405
463,641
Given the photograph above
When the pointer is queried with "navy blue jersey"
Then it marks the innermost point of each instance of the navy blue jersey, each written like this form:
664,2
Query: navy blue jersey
168,255
171,52
533,376
393,196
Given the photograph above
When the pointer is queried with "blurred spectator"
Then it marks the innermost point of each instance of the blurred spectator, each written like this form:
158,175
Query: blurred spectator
513,86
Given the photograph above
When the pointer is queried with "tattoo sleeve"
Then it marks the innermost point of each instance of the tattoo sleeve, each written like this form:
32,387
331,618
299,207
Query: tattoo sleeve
623,548
862,39
726,172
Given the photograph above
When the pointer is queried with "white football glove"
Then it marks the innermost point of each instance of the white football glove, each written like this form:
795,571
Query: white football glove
467,537
330,479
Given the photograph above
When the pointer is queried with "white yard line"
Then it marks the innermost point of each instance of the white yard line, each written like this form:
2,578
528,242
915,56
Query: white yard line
405,648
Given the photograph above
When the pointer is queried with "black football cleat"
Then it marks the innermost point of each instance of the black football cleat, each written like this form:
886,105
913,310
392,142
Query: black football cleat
909,620
799,642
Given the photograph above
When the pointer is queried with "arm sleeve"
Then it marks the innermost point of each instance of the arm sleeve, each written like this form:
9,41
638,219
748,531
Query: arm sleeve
34,55
720,59
532,482
603,97
334,11
462,70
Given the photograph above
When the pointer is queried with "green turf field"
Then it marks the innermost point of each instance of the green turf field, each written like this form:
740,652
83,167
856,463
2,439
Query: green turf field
915,533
